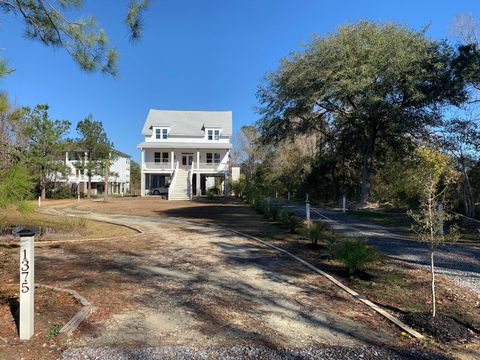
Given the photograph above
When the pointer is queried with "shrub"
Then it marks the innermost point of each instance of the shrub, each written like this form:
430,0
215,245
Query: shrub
275,212
356,255
331,245
61,192
314,232
214,191
290,221
53,330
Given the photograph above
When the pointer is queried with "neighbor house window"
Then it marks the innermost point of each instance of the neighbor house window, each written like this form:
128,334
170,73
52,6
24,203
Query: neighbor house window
157,133
165,157
210,134
209,158
217,134
157,156
164,133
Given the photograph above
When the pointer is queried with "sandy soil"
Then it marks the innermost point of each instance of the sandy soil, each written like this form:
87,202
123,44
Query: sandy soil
196,285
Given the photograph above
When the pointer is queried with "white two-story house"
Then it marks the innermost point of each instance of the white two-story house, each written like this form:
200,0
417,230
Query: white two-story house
119,179
186,151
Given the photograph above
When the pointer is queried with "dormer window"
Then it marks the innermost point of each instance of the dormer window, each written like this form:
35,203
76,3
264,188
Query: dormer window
213,134
161,133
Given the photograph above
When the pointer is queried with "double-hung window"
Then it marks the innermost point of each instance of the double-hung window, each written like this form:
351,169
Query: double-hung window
213,134
157,156
165,157
213,158
161,133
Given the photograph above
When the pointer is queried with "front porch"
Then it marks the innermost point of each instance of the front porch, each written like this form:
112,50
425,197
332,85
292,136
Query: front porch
201,183
195,170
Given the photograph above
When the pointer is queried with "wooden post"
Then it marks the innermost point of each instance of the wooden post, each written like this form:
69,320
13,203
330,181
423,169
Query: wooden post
27,283
288,196
307,211
39,201
344,204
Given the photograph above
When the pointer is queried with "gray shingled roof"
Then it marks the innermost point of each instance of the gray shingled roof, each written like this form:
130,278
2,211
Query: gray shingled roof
190,123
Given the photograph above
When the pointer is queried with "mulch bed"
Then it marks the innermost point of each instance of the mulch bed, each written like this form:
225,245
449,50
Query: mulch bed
51,307
441,327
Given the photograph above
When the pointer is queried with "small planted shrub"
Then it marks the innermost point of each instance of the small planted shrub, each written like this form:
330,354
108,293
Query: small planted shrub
331,246
292,223
53,331
314,232
275,212
356,255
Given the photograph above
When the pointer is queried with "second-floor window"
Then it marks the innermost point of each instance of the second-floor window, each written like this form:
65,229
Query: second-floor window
160,157
213,158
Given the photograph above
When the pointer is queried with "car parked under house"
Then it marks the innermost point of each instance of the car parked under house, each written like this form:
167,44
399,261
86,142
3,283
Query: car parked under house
187,150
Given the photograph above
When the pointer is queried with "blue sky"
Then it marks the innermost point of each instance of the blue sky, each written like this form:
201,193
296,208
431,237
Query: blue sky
194,55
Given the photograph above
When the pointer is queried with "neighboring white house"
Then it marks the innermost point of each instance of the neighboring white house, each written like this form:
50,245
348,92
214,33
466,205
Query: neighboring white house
119,180
189,150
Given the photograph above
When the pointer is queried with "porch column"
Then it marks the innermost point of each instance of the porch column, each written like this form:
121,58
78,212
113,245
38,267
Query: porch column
198,159
197,184
142,184
172,159
143,160
227,184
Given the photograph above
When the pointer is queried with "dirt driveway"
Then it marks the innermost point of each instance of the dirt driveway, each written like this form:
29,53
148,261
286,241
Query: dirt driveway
182,283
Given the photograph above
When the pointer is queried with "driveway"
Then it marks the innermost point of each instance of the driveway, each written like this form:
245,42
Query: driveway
181,285
458,262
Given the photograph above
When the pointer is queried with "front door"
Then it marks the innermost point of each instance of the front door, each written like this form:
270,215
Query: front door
187,160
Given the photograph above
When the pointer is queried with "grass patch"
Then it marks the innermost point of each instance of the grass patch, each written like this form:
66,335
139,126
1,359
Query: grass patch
60,227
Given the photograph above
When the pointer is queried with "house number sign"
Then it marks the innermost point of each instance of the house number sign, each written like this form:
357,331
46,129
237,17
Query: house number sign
27,285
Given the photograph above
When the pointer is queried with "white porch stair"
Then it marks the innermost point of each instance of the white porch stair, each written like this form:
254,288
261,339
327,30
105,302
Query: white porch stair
180,187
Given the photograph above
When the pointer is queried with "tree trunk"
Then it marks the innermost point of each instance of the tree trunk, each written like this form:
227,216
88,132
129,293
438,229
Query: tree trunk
432,268
43,193
89,186
365,187
468,196
105,183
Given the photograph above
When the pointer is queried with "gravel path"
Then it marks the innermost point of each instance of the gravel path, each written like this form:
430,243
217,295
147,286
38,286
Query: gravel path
460,263
246,352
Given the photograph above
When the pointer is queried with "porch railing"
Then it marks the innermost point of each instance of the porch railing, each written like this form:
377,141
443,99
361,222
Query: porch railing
212,166
151,165
172,183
